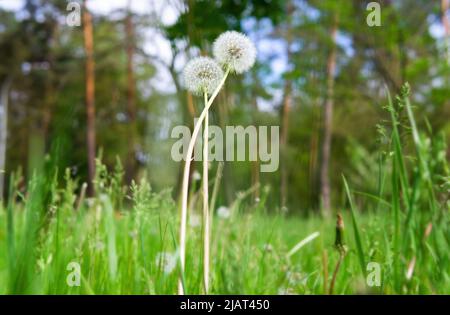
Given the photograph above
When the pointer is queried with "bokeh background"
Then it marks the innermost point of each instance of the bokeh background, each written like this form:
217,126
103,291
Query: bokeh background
314,57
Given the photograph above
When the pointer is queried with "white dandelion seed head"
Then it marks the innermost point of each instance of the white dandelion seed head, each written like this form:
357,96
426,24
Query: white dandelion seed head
202,74
234,50
196,176
99,246
268,247
285,291
167,260
223,212
195,220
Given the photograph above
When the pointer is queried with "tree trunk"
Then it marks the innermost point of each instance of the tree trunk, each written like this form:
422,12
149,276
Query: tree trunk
313,156
130,166
186,102
49,96
255,168
223,115
328,120
188,107
284,141
256,164
446,23
287,98
90,96
4,92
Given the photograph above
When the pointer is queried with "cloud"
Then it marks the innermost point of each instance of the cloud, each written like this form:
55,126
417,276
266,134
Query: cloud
12,5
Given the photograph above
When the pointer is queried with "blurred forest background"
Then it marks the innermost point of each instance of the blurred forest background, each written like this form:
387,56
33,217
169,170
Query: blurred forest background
112,88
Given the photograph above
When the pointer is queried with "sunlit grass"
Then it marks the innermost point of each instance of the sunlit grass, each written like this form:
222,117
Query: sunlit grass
126,242
119,255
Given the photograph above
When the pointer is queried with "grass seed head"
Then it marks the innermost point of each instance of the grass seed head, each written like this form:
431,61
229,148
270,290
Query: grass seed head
339,241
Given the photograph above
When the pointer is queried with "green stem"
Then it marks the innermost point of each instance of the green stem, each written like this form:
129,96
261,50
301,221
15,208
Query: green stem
336,270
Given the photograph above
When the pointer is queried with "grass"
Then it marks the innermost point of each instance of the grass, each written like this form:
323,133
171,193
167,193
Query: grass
249,255
125,243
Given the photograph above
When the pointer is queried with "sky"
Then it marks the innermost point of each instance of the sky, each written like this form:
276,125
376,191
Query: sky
156,44
98,6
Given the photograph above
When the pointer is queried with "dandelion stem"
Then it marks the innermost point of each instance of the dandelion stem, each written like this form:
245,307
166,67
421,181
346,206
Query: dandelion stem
205,203
185,184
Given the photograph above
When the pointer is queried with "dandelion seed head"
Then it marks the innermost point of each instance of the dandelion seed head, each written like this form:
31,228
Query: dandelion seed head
223,212
133,234
196,176
99,246
234,50
268,248
295,278
285,291
195,220
167,260
202,74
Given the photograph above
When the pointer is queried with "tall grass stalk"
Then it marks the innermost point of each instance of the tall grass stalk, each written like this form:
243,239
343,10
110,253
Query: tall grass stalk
357,234
340,246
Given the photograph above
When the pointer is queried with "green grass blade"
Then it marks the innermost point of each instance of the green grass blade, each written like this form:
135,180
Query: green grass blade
359,247
399,157
110,236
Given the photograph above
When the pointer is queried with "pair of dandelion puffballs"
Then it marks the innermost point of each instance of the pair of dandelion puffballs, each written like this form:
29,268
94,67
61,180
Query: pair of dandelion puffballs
232,51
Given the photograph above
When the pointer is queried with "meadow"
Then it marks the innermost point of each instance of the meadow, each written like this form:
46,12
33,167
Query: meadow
124,240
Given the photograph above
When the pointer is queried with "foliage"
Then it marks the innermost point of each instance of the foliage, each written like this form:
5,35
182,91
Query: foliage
134,236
